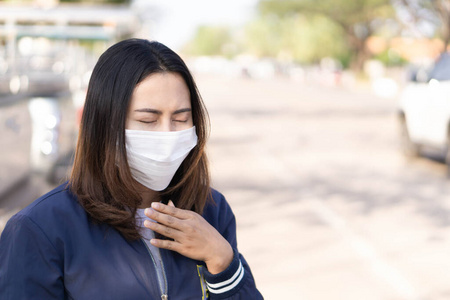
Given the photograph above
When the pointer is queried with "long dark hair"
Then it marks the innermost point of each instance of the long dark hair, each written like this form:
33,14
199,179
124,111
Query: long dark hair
101,177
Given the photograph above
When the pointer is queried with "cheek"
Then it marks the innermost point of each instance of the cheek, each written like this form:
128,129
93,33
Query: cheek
134,125
127,124
128,120
130,124
190,122
182,126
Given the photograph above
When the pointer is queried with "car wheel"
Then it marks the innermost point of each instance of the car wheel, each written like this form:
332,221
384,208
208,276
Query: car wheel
408,147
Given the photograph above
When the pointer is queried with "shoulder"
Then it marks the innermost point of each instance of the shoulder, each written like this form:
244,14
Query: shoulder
56,201
217,211
51,211
216,203
217,197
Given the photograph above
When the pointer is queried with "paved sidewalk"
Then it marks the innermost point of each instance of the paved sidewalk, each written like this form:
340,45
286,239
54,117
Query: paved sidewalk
327,208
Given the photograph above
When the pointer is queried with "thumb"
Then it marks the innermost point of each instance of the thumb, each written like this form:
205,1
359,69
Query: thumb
171,203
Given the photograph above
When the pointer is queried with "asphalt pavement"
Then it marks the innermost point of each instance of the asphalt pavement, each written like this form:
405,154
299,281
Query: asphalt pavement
327,207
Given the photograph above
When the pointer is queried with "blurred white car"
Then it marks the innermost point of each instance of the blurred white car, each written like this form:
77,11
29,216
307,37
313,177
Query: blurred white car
424,111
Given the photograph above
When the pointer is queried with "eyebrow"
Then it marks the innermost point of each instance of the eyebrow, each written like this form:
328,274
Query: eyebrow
158,112
183,110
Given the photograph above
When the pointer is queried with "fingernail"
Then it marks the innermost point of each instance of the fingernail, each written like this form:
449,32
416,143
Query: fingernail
156,205
147,223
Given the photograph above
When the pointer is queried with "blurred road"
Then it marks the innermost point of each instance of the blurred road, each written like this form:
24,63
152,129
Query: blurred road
327,208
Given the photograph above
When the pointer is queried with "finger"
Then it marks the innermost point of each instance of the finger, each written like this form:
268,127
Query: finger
162,218
171,203
162,229
171,210
165,244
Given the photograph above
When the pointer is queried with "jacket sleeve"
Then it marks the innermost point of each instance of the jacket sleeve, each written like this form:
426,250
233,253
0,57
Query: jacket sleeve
235,282
29,263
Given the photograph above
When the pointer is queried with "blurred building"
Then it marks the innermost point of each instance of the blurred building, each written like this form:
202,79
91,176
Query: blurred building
47,51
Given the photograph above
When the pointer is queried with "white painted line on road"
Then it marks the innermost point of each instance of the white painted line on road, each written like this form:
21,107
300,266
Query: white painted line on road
366,251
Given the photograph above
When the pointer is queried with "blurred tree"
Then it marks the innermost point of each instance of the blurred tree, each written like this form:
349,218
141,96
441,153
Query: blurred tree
263,36
271,36
356,18
211,40
436,12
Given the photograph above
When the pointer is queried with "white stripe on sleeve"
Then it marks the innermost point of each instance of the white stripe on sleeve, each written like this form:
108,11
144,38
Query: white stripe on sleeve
222,287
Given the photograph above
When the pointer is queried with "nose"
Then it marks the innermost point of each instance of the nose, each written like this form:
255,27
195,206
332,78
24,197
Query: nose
166,125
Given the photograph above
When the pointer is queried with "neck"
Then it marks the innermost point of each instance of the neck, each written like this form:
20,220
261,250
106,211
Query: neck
148,196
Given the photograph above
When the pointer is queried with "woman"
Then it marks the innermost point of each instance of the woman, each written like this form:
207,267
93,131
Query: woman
137,219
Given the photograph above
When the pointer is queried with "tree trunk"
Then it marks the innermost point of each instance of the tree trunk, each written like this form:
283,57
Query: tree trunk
446,34
359,50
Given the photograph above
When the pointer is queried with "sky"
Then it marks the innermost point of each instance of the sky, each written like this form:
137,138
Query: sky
173,22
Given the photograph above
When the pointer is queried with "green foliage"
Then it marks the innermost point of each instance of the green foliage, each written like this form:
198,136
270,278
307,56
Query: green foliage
311,38
296,38
344,12
391,58
337,28
211,40
263,38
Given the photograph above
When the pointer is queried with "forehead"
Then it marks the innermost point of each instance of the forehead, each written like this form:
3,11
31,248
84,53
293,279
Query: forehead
161,90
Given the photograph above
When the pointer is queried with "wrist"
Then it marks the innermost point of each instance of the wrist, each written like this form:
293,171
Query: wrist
229,281
221,261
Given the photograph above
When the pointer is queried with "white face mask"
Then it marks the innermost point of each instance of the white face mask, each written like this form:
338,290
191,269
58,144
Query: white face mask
155,156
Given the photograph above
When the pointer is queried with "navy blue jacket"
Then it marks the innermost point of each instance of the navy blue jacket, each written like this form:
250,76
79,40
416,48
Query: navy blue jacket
53,250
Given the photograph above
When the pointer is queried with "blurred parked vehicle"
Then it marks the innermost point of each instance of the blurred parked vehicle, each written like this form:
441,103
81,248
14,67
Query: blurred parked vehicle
15,142
54,136
46,54
37,136
37,114
424,111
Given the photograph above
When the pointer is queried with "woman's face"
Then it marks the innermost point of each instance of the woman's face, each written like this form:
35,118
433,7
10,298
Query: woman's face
161,102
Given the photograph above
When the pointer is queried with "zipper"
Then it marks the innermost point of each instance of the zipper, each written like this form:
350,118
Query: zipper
202,282
162,283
